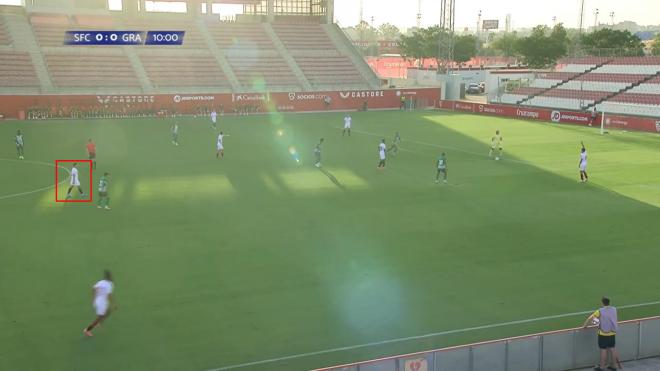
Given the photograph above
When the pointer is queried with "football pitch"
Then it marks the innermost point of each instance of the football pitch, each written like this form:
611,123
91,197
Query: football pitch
256,256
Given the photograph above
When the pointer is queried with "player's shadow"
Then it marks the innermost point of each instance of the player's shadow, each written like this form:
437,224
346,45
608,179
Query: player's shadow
332,178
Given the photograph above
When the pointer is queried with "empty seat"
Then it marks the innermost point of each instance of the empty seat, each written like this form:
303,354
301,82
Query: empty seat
629,109
262,71
17,70
512,98
594,86
329,70
240,36
5,37
646,69
636,98
558,102
304,37
90,70
49,29
648,88
183,70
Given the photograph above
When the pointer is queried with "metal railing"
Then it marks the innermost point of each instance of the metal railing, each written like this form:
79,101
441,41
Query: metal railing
549,351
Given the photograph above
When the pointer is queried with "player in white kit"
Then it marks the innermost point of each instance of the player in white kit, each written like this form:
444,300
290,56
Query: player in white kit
74,181
214,119
220,146
347,125
102,300
382,148
496,145
583,165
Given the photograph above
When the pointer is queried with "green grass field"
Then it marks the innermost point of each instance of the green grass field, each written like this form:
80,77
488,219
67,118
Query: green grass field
226,262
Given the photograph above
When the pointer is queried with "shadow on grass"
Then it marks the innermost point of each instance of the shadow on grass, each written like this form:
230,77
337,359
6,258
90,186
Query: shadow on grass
332,178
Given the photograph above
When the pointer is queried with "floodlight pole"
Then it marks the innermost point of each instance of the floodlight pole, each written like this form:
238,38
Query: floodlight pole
580,27
447,17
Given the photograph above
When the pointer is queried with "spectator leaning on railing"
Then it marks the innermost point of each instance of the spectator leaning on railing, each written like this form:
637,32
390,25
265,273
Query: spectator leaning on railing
606,319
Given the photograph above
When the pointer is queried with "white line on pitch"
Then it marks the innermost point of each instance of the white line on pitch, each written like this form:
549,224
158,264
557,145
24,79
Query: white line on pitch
418,337
36,190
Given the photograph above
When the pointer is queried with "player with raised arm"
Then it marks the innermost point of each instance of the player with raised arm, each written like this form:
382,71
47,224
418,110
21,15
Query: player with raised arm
91,152
220,147
214,119
394,148
347,125
104,198
382,148
102,301
442,168
496,145
74,181
583,164
19,145
317,153
175,134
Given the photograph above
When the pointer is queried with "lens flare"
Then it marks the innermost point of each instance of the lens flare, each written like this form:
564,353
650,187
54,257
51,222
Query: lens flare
280,132
294,154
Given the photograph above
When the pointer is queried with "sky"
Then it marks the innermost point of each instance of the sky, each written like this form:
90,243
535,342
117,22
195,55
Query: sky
524,13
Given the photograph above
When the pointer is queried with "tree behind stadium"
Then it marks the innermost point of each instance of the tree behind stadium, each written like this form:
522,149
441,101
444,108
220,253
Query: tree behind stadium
543,47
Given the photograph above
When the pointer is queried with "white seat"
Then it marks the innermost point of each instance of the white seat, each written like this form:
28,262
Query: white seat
594,86
629,69
544,83
512,98
646,89
554,102
576,67
629,109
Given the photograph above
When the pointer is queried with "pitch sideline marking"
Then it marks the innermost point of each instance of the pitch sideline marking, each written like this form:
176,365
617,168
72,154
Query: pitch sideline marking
418,337
36,190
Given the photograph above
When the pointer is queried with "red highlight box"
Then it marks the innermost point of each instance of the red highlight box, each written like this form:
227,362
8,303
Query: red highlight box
57,181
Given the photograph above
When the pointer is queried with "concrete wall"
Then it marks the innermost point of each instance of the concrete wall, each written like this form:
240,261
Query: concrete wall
496,81
551,351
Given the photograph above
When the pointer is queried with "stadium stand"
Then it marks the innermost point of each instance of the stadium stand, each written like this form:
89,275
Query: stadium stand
17,70
325,71
256,71
304,38
49,28
90,70
289,54
240,36
628,85
5,37
183,70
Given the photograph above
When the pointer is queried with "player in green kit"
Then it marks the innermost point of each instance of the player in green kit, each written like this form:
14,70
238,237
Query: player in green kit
442,168
317,153
104,198
175,134
395,143
19,144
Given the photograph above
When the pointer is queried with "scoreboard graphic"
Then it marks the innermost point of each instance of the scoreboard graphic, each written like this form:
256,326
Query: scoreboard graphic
86,38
